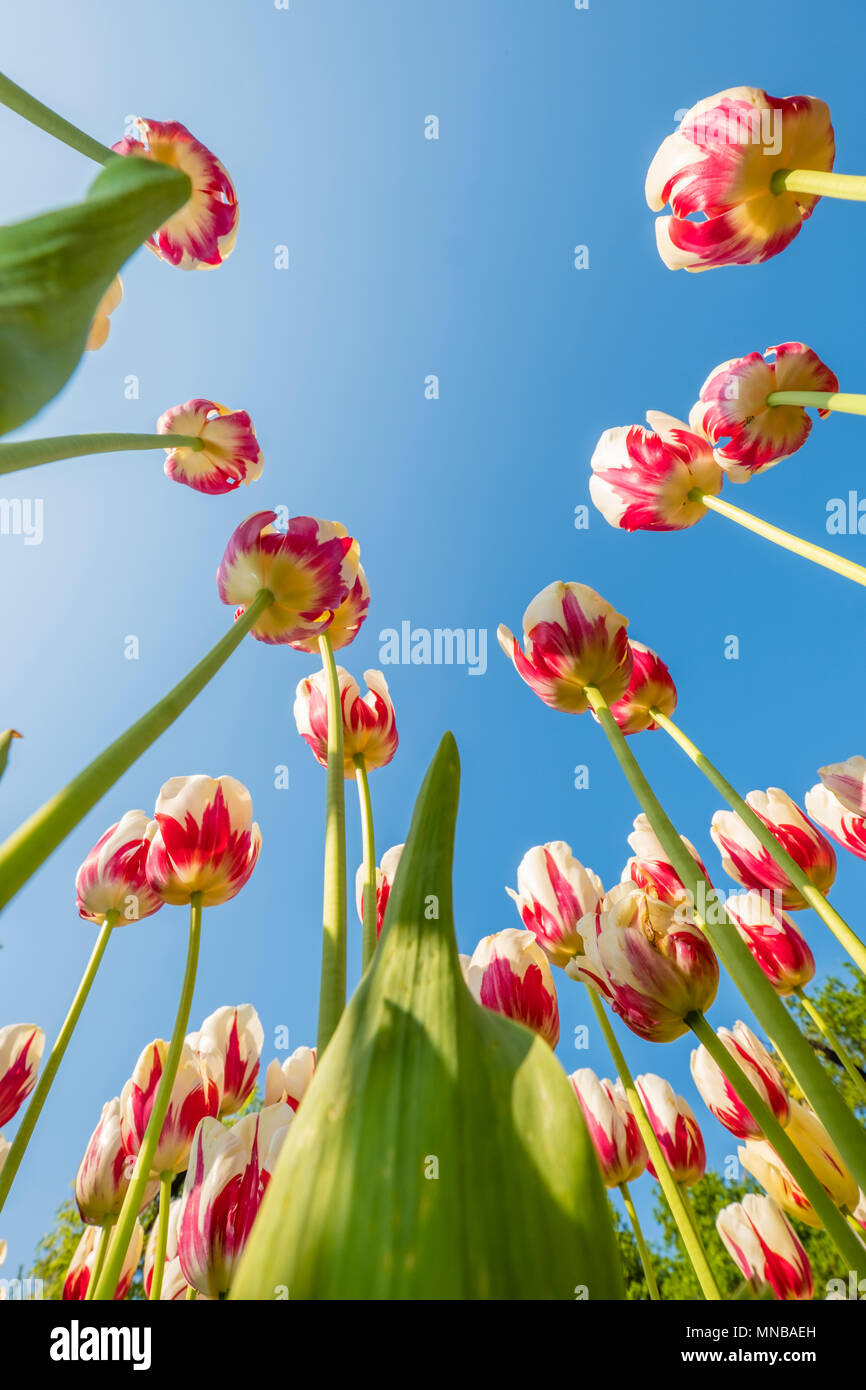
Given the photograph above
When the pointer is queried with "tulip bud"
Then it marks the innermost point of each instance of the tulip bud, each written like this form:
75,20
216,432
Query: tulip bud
761,1241
21,1046
619,1148
644,480
651,687
653,967
112,877
369,729
105,1171
81,1267
207,841
229,1170
847,828
676,1129
652,870
289,1081
194,1095
554,891
384,881
745,859
229,1043
721,1097
809,1136
776,943
510,974
230,453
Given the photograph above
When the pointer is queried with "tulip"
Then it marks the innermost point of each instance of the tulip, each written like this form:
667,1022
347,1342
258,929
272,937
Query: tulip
21,1047
194,1095
229,1043
510,974
288,1081
105,1170
385,872
651,688
846,827
228,454
310,568
653,967
112,877
174,1285
202,233
719,1095
620,1151
101,325
761,1241
746,860
369,729
735,407
87,1258
651,869
676,1129
348,618
775,942
653,480
207,842
814,1144
847,782
573,639
554,891
725,162
229,1170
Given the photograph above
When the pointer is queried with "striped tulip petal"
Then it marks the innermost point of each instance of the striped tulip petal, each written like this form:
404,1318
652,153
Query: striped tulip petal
112,877
21,1047
194,1095
746,861
721,1098
230,453
369,727
554,891
762,1242
509,973
642,478
207,841
619,1148
676,1129
229,1043
847,828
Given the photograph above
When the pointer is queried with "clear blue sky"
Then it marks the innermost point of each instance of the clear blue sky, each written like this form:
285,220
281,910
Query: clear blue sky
410,257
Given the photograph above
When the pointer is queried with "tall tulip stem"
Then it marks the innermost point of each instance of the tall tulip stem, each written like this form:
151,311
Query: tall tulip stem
688,1235
812,1188
29,453
30,845
833,1042
734,954
762,833
102,1243
332,997
837,563
161,1237
843,401
820,182
38,114
642,1248
368,902
144,1162
50,1069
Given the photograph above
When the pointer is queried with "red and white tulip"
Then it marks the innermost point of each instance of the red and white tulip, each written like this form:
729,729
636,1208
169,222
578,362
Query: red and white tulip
618,1145
369,724
763,1244
288,1081
745,859
847,782
105,1171
21,1048
81,1267
230,453
194,1095
651,687
676,1129
554,891
651,869
572,638
112,877
230,1043
644,479
207,841
721,1098
776,943
847,828
510,974
809,1136
385,874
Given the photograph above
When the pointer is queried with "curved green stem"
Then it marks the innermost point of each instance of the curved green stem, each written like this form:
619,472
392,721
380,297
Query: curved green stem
842,401
144,1162
38,114
851,187
368,900
29,453
101,1251
642,1248
837,563
332,997
691,1240
161,1237
747,975
49,1070
762,833
824,1208
855,1226
32,843
831,1039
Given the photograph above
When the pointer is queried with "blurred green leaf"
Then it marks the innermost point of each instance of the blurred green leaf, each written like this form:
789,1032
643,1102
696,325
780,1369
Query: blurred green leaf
439,1152
6,738
54,269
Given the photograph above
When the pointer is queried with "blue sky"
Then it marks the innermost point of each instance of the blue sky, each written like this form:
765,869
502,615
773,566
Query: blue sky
411,257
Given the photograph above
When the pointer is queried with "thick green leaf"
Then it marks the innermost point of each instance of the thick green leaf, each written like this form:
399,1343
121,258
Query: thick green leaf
6,738
439,1152
54,269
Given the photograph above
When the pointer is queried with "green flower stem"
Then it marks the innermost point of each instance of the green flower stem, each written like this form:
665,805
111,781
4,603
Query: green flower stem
161,1236
842,401
832,1041
734,954
332,996
851,187
837,563
829,916
50,1069
813,1190
855,1226
103,1240
688,1235
368,939
642,1248
38,114
191,1294
144,1162
32,843
29,453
